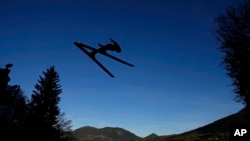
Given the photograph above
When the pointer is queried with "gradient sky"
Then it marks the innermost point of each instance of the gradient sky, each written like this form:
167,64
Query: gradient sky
176,85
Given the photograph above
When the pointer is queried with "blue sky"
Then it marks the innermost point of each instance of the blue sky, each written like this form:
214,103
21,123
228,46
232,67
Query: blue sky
176,84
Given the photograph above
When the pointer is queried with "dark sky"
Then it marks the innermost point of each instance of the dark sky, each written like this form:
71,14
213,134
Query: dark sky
175,86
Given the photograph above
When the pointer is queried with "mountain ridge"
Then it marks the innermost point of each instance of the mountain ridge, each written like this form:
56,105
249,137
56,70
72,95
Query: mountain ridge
88,133
219,129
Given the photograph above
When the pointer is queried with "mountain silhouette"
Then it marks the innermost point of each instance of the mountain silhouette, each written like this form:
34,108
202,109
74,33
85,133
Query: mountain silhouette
217,130
89,133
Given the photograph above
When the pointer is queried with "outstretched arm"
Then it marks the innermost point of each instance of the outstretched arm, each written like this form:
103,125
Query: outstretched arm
113,41
118,48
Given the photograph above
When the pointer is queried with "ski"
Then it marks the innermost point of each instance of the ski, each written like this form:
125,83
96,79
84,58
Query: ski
81,47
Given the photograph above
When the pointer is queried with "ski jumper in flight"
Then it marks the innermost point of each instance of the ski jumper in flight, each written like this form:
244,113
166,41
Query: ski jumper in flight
114,46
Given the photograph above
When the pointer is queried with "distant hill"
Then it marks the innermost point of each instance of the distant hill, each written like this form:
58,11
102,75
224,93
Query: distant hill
152,137
218,130
223,124
88,133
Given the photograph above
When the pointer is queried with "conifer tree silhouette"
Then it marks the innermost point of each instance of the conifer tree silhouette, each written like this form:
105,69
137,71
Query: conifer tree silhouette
44,112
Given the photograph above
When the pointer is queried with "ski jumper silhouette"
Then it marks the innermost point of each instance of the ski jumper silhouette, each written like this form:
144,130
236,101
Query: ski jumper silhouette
113,46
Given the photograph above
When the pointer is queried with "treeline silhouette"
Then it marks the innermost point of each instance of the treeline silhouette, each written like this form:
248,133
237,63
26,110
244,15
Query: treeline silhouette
37,118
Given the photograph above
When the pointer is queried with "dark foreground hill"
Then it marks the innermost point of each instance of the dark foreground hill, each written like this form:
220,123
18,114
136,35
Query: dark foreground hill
88,133
218,130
